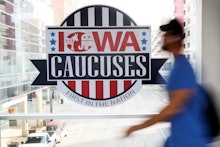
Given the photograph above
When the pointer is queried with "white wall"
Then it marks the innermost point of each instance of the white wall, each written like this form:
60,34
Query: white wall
210,45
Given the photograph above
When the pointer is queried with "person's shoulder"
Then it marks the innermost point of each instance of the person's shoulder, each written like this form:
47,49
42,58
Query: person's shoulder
181,58
182,62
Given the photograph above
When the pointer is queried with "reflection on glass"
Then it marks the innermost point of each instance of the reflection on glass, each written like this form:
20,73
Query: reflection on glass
37,139
51,128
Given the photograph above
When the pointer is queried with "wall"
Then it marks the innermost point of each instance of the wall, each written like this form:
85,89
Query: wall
210,44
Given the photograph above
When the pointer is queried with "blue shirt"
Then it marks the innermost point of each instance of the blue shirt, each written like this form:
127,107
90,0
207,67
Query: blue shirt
188,127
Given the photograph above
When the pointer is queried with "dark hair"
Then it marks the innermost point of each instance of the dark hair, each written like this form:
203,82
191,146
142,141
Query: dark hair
174,26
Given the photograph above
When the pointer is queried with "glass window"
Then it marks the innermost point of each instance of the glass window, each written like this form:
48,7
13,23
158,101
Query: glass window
7,19
188,21
188,9
188,33
7,31
22,38
24,26
7,43
188,44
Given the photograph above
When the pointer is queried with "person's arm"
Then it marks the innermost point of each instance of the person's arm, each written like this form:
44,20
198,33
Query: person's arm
178,100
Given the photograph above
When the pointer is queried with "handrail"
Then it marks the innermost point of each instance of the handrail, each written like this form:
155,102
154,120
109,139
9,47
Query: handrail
72,116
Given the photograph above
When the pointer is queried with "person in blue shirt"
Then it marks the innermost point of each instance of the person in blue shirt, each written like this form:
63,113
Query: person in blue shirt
188,126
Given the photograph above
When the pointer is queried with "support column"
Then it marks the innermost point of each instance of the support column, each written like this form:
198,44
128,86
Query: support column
24,124
39,106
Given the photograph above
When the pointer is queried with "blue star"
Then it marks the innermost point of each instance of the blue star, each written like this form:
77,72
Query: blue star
144,41
53,49
144,33
144,48
52,34
52,42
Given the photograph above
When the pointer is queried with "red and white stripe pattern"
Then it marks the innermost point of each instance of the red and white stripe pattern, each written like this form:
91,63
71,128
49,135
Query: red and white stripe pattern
99,89
61,41
98,16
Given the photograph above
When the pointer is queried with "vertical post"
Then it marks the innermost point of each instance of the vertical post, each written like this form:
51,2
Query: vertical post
24,124
0,132
199,40
39,105
51,100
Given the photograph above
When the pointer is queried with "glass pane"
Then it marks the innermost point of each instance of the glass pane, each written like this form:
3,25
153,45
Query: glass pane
22,39
25,41
8,44
7,31
83,133
149,100
7,19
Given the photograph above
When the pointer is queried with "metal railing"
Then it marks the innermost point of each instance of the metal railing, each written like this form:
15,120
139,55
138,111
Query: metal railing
72,116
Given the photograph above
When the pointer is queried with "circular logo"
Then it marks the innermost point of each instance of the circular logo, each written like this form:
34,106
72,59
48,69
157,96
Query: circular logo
102,92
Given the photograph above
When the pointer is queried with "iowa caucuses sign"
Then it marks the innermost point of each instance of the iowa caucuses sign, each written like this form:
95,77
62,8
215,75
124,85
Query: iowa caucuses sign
98,57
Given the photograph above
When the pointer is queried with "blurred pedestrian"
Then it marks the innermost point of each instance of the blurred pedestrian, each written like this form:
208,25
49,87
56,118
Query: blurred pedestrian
188,126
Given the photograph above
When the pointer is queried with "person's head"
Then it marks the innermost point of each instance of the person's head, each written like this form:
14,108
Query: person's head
173,36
